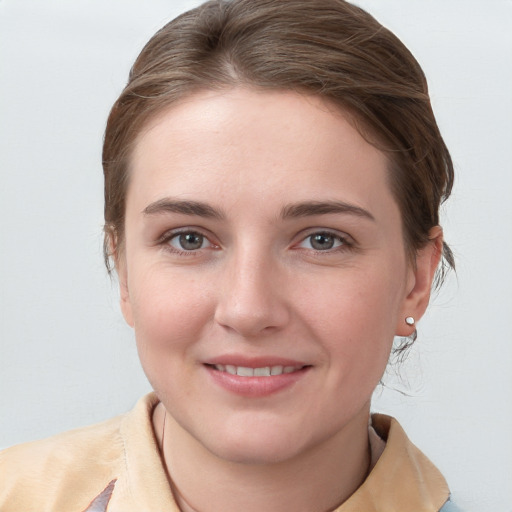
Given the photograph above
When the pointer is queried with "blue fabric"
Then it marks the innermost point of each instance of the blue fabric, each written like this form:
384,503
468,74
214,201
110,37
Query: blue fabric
449,506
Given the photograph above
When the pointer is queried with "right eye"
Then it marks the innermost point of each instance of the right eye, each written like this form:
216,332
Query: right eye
189,241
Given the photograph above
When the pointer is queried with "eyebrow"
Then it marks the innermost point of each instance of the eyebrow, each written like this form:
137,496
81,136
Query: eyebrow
197,208
291,211
310,208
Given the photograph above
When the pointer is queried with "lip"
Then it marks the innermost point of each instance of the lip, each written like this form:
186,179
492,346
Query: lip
254,387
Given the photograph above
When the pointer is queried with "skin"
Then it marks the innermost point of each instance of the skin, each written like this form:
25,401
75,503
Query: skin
257,284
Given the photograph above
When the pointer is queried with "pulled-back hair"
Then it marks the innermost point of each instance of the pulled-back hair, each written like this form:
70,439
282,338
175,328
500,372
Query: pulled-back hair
328,48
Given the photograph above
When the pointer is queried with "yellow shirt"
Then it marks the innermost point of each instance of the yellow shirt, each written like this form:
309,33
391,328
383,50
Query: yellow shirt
115,466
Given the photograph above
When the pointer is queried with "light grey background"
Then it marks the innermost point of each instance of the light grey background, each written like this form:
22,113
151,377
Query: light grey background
66,358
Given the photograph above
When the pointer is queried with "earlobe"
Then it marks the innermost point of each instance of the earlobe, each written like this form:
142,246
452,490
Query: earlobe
418,294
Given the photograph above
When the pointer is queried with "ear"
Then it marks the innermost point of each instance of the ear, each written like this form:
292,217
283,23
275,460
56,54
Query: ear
119,258
419,282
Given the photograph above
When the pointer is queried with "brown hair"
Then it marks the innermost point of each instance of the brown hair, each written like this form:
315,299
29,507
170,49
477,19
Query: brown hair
328,48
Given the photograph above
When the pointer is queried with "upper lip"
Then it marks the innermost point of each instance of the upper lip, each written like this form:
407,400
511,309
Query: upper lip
254,362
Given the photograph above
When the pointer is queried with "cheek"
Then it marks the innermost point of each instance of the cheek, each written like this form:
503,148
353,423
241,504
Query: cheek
170,315
356,320
167,311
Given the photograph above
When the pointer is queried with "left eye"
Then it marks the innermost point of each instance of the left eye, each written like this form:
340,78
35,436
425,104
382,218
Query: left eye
189,241
322,241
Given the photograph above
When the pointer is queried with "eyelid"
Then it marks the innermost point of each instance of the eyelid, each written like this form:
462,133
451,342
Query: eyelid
326,231
170,233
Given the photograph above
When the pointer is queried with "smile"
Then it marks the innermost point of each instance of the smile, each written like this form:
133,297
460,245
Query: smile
264,371
256,379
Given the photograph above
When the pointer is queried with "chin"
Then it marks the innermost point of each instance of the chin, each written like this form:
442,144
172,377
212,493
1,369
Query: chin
259,443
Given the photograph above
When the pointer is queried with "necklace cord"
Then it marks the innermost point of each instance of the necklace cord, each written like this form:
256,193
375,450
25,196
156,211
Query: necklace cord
163,430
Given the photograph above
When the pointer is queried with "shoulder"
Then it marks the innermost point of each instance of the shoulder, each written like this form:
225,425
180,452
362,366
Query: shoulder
68,471
72,470
34,475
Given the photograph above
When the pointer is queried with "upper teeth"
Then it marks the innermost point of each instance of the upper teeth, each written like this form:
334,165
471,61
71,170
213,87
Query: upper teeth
265,371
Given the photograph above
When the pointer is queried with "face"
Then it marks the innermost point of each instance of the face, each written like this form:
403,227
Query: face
263,270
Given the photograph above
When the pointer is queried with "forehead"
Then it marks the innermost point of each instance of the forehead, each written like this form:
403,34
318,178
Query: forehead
255,138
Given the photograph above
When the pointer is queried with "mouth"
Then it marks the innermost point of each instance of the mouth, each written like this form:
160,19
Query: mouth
256,377
263,371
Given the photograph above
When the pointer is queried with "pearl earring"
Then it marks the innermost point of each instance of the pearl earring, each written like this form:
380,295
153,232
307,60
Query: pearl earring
410,320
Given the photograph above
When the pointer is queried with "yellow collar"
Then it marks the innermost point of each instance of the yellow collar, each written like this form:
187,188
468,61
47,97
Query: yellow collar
403,479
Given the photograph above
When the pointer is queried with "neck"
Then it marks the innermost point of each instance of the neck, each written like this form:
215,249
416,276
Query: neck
319,479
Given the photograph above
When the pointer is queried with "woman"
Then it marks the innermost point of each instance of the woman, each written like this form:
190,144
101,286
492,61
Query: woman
273,176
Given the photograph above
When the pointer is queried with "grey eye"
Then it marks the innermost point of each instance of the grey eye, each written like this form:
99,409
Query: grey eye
189,241
322,241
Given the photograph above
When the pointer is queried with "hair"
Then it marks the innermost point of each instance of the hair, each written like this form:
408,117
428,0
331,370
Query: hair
327,48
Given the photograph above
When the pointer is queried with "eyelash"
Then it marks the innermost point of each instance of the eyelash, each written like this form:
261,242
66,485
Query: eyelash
344,242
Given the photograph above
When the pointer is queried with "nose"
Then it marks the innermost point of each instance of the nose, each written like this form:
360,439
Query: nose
252,300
